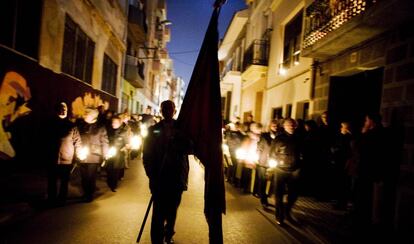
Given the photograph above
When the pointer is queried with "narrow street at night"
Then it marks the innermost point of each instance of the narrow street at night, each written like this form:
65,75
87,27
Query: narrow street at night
213,121
115,217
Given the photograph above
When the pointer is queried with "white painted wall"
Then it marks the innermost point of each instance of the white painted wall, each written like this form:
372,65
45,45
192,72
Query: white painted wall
295,85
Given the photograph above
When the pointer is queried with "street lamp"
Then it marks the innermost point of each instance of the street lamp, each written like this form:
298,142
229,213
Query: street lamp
165,22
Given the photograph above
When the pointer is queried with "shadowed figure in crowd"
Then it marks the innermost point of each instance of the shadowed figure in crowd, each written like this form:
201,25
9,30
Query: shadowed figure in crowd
263,147
118,139
95,138
286,151
64,142
165,159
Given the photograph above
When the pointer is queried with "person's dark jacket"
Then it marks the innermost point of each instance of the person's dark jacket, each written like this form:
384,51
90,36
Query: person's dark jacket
95,137
263,147
64,140
233,139
165,157
286,151
118,138
373,152
341,150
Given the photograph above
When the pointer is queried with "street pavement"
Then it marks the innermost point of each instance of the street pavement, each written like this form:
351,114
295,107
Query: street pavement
115,217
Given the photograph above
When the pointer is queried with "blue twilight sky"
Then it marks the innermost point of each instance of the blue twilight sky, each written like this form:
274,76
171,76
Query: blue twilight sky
189,23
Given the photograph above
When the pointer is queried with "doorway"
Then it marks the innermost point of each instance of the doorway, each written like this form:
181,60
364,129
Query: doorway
352,97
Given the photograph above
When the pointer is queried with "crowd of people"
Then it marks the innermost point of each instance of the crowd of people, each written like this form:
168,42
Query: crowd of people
99,141
353,168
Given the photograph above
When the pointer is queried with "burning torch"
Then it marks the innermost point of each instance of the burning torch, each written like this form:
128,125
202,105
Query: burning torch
135,142
82,154
111,153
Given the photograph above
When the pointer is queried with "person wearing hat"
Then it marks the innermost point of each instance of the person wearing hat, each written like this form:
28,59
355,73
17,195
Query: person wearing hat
95,139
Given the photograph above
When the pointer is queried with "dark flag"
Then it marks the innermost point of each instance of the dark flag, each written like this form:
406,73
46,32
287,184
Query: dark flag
200,117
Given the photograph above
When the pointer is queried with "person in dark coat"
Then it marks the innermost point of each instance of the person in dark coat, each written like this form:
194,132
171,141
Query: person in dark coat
94,137
263,149
233,138
118,140
373,150
64,143
286,151
326,135
341,153
165,159
312,181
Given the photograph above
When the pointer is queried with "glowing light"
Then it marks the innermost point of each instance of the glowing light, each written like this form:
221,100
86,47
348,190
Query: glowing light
111,152
135,142
272,163
144,130
83,153
282,71
253,157
247,155
241,154
225,149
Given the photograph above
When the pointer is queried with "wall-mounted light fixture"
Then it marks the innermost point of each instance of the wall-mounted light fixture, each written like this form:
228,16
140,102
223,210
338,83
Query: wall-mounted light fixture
296,58
165,22
282,69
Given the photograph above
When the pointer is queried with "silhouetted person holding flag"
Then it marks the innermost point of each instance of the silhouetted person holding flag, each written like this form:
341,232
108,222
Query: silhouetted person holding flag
165,160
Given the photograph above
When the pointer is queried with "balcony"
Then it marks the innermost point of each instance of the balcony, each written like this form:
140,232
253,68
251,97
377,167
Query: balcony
137,23
255,61
231,72
134,72
329,29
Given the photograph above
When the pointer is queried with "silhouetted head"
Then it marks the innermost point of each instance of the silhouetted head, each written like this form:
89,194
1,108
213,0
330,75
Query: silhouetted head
289,125
167,109
62,110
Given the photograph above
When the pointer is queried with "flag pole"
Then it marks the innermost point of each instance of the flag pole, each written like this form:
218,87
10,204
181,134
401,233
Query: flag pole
144,220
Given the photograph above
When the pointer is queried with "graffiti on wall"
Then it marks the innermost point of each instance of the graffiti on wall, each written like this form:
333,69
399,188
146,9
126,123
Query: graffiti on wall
14,96
89,100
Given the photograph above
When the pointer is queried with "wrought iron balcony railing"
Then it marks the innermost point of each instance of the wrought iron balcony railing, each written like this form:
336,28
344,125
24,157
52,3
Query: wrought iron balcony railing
325,16
256,54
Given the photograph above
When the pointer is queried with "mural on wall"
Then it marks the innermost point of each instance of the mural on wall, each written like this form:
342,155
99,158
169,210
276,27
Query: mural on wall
89,100
14,96
28,96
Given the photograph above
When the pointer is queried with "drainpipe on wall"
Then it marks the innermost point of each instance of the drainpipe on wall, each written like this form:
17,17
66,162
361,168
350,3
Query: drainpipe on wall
124,39
314,67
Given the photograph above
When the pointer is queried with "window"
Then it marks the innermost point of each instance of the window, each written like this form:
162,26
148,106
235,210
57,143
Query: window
78,51
20,25
137,108
277,113
302,110
288,112
292,41
109,75
124,102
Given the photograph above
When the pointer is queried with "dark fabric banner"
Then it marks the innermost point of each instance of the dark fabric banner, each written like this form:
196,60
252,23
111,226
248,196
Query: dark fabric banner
200,116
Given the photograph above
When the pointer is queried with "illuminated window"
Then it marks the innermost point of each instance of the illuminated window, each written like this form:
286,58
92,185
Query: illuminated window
292,41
